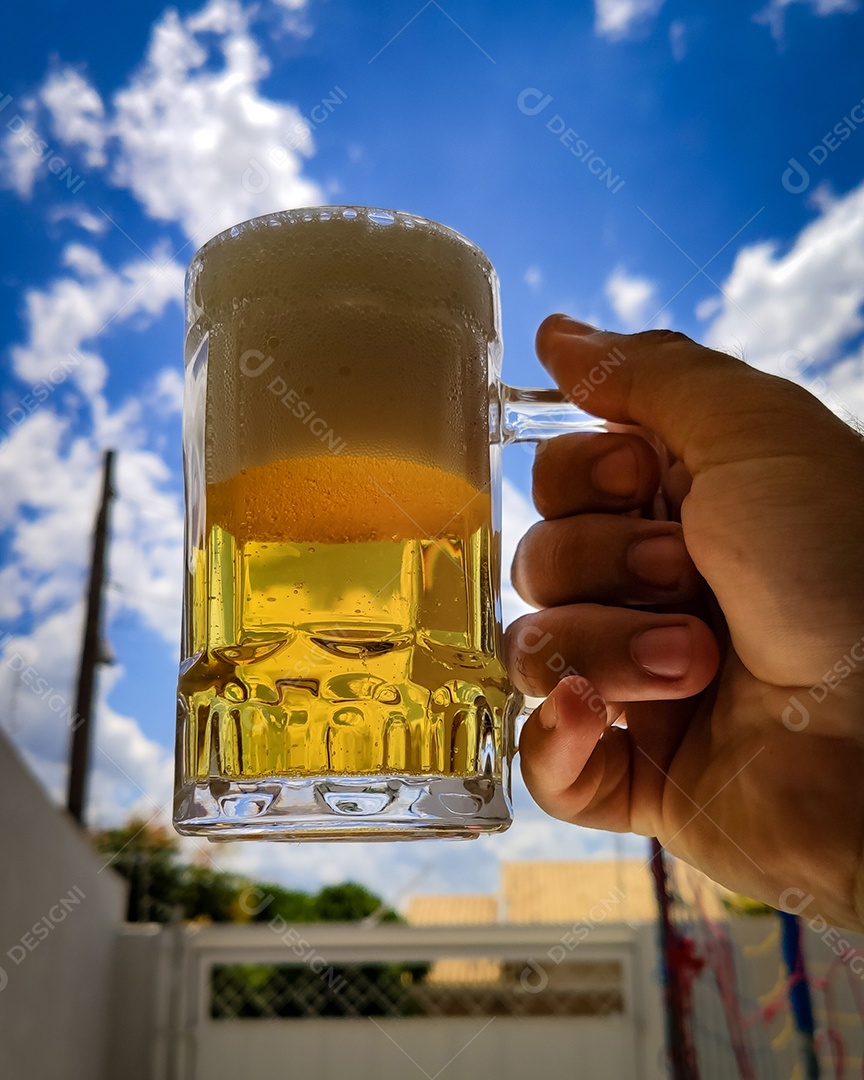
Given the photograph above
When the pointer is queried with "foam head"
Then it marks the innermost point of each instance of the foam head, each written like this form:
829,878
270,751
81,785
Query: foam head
344,330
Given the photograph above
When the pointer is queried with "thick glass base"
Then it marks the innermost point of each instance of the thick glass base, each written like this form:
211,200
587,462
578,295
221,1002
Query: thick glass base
343,808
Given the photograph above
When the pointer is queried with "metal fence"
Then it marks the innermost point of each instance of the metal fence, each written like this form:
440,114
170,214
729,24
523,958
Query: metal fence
451,986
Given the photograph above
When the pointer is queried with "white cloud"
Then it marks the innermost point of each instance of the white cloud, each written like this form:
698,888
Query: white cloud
533,277
129,770
841,387
168,390
193,138
806,298
50,491
631,297
678,40
773,14
517,517
77,113
48,507
70,313
189,134
85,261
798,311
179,135
80,216
620,19
19,165
50,473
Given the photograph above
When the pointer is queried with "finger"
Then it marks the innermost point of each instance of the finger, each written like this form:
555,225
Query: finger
573,764
706,406
627,655
771,468
606,559
580,472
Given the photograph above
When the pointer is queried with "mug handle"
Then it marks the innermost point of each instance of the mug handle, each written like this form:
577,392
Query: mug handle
528,415
534,415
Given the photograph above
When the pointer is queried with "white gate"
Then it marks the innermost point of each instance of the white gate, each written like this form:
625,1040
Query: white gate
381,1002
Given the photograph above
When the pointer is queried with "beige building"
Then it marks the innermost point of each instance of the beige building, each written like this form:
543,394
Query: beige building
589,891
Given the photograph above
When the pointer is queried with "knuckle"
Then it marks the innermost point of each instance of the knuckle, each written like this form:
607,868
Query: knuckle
522,562
664,337
542,487
542,564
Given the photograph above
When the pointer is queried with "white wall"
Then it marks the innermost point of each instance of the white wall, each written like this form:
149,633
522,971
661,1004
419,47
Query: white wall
58,919
476,1048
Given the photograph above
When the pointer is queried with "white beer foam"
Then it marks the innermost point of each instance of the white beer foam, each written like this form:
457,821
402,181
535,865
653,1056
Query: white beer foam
344,330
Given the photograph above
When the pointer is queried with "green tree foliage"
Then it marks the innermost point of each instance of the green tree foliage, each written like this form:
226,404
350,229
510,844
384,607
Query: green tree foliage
349,903
209,894
159,884
288,904
146,856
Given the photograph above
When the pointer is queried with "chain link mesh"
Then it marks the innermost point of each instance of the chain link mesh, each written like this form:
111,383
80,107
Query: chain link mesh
447,987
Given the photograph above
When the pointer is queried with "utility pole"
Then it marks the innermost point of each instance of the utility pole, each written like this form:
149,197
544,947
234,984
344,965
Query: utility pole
92,653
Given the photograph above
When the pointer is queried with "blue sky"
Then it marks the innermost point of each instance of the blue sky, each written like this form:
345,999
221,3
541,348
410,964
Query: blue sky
499,120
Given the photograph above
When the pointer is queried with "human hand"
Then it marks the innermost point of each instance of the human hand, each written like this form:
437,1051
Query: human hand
743,750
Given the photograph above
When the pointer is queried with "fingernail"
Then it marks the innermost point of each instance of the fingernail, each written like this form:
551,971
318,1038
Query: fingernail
547,713
566,325
659,560
664,651
617,473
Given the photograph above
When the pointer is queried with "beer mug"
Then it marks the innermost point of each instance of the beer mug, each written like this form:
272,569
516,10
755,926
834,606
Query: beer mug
341,673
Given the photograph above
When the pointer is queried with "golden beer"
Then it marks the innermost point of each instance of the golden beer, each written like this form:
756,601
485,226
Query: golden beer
341,616
340,672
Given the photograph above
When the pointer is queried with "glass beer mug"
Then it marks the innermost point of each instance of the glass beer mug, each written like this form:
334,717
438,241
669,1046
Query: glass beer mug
341,673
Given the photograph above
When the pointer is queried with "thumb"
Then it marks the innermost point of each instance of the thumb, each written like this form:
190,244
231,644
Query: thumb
707,407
